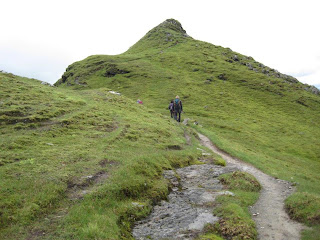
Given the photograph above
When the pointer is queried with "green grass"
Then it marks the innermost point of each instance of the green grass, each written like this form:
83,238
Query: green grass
220,161
209,236
240,181
55,139
304,207
235,219
251,111
210,156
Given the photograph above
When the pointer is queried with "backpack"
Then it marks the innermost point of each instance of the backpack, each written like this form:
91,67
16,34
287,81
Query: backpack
171,106
177,104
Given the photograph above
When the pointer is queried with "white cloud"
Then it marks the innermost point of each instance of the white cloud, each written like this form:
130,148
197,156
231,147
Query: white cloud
311,79
41,38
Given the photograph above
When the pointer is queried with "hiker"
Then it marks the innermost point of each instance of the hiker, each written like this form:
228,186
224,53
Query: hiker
139,101
171,108
177,108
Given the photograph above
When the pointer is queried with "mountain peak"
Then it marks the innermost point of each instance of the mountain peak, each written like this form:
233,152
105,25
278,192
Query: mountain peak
173,25
168,32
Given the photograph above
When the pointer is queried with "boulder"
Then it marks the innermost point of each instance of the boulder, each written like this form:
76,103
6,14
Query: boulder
222,76
235,58
46,83
312,89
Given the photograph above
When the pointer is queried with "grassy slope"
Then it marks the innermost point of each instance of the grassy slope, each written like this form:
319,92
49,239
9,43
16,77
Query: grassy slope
56,143
269,120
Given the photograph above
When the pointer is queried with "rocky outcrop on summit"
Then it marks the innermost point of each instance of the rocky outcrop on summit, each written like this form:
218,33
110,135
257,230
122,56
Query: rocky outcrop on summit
169,30
173,25
165,35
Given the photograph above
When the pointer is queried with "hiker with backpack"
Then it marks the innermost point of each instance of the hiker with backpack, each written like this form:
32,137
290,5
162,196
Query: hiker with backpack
171,108
177,108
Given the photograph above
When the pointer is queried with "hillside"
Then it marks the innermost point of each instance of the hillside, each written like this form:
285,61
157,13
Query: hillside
252,111
72,163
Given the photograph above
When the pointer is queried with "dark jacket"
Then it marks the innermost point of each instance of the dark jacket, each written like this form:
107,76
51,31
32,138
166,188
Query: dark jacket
177,106
171,106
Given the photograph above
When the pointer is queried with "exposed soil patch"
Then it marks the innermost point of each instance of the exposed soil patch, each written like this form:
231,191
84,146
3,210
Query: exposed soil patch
269,213
77,190
47,125
187,137
107,162
36,234
113,70
174,147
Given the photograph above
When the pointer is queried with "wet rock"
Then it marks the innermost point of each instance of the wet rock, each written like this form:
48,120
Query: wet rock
186,212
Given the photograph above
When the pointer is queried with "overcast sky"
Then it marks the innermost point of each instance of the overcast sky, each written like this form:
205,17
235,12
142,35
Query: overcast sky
40,38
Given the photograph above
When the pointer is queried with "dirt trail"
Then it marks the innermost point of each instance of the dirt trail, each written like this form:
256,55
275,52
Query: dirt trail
269,214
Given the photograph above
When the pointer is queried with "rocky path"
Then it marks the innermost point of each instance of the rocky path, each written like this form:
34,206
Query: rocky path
192,199
189,206
269,214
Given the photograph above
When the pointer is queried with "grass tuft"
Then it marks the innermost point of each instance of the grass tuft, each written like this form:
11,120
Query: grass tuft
235,223
209,236
235,220
304,207
240,181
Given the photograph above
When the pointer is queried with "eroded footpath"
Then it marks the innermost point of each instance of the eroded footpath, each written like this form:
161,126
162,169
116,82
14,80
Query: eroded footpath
272,221
189,206
192,200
